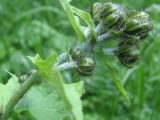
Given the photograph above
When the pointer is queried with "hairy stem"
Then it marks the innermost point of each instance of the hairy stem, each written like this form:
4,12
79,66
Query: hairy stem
109,50
67,65
100,27
62,58
104,36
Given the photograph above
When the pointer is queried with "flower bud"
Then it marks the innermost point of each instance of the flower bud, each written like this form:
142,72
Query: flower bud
137,24
75,53
127,54
97,10
86,66
112,14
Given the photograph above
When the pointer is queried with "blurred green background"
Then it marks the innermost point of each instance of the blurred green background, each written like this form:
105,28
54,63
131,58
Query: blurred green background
28,27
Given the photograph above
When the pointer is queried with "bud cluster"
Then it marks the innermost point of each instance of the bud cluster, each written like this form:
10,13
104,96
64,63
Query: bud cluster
130,26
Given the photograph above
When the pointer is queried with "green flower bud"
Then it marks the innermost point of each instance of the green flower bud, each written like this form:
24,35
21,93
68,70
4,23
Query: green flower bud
75,53
137,24
97,10
112,14
127,54
86,66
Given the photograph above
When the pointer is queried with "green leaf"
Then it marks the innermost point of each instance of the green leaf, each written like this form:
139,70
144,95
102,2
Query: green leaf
115,77
86,17
73,92
69,93
7,90
46,107
44,103
66,6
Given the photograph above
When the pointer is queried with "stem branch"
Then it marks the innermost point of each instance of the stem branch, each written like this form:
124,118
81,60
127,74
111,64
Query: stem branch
104,36
67,65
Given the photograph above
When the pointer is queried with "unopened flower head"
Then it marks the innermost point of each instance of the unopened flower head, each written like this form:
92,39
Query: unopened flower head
127,54
113,14
75,53
97,10
86,66
137,24
110,13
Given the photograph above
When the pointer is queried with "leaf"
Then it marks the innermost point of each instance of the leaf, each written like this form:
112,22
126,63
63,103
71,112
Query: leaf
115,77
73,92
43,104
69,93
66,6
86,17
7,90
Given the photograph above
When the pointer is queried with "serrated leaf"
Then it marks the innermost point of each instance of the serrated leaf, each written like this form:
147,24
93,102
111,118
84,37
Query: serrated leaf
66,6
69,93
86,17
7,90
115,77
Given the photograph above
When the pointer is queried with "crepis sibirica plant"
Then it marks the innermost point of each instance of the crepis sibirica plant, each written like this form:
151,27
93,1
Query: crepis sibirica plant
106,22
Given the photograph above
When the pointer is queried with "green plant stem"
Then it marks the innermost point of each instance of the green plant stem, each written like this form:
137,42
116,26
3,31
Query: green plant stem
62,58
67,65
26,86
109,50
100,27
104,37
